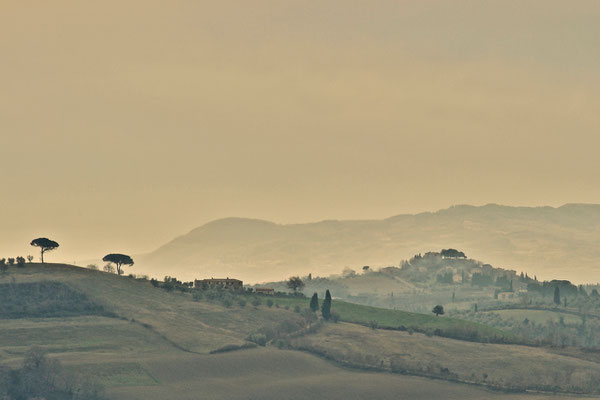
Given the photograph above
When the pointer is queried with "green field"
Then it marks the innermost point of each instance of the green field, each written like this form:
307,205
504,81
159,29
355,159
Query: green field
394,319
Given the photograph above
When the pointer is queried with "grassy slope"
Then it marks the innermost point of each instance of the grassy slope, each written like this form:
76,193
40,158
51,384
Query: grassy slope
537,316
386,318
147,353
503,365
274,374
195,326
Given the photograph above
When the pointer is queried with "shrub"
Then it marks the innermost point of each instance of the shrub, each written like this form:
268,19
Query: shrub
256,302
20,262
242,303
297,309
30,258
335,317
42,378
197,295
226,301
212,294
258,338
233,347
373,324
89,266
270,303
109,268
11,261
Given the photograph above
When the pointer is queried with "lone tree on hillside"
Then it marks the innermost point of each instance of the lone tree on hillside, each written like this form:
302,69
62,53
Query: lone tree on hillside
438,310
314,302
326,307
118,260
295,283
557,296
45,245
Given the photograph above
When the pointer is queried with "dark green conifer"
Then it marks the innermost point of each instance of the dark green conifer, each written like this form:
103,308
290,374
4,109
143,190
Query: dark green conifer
314,303
326,307
556,295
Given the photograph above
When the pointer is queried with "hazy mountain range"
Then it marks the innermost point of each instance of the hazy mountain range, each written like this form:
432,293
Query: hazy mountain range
561,242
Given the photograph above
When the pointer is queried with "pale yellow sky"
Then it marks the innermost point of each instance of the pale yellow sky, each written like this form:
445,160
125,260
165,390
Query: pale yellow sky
126,123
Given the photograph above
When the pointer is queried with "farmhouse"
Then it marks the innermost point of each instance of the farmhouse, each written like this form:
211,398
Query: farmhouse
265,290
213,283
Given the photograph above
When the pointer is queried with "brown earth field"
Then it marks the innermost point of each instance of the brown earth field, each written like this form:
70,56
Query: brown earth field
276,374
495,365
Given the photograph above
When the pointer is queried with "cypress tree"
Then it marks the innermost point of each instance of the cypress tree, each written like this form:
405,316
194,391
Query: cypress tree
326,307
314,303
557,295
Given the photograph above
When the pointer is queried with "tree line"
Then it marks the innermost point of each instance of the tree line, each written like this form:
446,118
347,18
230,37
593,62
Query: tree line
45,245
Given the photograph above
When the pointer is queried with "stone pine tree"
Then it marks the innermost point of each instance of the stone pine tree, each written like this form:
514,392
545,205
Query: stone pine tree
119,260
557,296
45,245
314,302
326,307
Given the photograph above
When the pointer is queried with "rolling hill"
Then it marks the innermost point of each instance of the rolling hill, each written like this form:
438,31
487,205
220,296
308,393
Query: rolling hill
144,342
545,241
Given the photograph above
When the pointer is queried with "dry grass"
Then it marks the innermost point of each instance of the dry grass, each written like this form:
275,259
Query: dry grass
269,374
505,366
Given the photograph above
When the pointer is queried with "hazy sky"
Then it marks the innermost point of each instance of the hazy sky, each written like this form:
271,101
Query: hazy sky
125,123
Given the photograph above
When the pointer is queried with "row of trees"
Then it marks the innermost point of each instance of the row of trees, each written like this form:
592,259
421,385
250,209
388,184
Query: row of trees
19,261
45,245
325,307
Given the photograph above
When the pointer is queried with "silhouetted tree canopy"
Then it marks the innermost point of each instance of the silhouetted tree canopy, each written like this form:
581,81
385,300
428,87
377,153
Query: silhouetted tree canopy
452,253
295,283
438,310
45,245
118,260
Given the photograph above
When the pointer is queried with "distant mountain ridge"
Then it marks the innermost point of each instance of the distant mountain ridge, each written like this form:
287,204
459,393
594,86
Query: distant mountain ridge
561,242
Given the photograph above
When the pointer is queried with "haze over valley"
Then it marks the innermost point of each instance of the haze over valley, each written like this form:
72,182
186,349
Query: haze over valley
299,200
544,241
